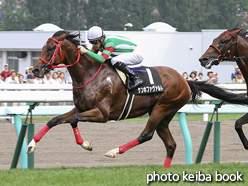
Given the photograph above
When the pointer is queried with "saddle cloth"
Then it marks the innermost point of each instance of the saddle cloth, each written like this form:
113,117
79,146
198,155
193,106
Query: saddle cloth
152,81
152,84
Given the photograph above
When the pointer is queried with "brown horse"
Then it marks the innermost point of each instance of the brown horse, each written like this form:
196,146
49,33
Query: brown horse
99,95
231,44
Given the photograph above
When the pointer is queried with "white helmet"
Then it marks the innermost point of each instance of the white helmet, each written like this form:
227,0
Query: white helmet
95,33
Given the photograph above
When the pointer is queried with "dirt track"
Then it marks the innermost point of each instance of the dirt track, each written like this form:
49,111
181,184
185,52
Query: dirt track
58,147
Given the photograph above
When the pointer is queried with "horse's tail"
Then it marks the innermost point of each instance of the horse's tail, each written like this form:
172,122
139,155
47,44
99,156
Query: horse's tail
202,86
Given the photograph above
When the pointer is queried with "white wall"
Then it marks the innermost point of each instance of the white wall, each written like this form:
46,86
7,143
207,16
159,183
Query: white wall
4,60
173,50
24,63
169,49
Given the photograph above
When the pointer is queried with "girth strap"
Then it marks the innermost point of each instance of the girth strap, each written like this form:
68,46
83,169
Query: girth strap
127,107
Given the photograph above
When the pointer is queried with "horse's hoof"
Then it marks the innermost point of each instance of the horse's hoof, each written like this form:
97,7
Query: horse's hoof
87,146
112,153
31,147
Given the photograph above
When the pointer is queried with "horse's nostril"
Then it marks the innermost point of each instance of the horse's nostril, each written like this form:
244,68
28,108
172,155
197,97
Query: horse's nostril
203,59
35,71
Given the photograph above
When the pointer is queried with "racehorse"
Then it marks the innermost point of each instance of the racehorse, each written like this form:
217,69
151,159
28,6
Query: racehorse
99,95
229,45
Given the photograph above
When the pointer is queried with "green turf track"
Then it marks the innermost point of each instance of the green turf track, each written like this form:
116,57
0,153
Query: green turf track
118,176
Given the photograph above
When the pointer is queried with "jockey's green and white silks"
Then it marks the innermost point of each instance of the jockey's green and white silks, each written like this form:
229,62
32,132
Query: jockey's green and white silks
112,46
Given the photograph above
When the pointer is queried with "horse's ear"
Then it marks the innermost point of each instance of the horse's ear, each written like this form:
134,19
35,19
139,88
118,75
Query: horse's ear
62,37
238,25
237,31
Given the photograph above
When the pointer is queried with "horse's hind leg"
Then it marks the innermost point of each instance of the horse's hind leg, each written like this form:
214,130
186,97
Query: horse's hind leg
157,115
238,127
164,133
64,118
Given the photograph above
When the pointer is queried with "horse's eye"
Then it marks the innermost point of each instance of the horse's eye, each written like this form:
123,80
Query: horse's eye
49,49
222,41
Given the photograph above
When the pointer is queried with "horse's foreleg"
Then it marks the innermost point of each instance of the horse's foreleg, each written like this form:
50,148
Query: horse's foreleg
64,118
94,115
238,127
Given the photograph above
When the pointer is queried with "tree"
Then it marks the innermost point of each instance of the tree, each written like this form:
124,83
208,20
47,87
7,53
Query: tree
26,15
140,13
114,14
185,15
15,15
45,11
194,15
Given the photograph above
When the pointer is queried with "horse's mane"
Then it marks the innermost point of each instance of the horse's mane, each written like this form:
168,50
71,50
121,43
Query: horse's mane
72,37
243,32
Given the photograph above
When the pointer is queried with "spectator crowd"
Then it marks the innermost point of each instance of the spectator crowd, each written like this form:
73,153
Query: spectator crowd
12,77
236,76
212,76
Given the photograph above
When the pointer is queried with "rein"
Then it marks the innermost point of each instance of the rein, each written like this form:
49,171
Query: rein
222,57
89,80
58,50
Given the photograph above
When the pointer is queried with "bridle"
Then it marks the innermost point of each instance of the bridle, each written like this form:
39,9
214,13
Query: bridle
224,56
58,50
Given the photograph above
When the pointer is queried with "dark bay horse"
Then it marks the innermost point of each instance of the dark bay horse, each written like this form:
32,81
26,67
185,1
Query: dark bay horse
231,44
99,95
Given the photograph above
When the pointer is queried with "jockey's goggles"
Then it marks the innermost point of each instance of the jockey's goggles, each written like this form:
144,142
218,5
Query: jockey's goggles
94,42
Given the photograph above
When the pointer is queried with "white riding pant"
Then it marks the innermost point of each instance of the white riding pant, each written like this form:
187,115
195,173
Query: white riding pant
132,58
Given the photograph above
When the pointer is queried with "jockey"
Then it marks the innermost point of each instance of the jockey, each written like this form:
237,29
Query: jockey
120,50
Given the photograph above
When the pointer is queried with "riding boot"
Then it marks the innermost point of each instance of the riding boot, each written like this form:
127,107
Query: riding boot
131,76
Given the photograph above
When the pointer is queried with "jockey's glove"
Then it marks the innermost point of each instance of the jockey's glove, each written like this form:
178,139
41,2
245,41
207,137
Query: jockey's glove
82,49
